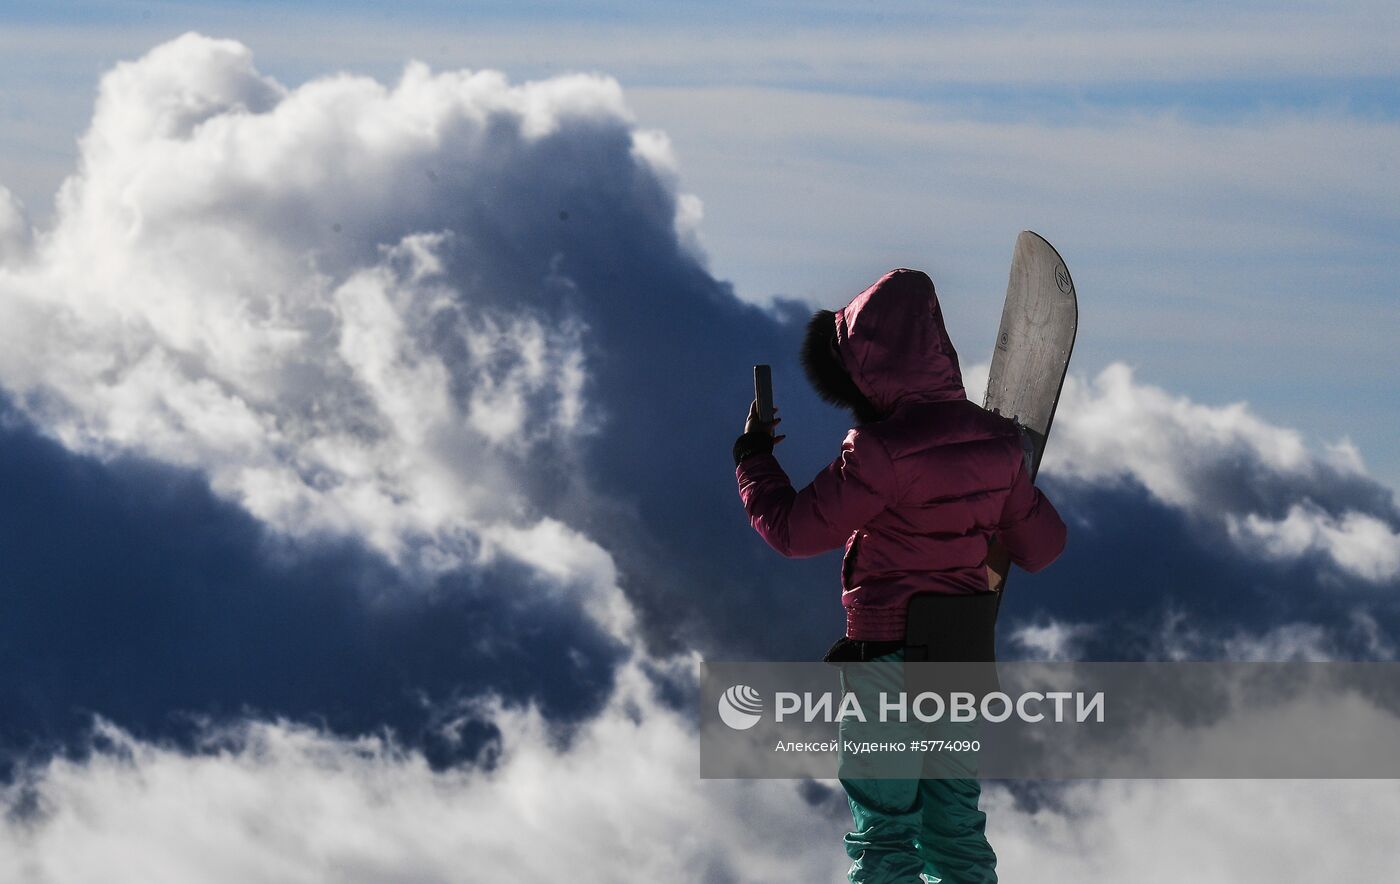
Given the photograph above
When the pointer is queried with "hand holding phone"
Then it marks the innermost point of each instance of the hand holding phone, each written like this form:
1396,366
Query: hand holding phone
763,414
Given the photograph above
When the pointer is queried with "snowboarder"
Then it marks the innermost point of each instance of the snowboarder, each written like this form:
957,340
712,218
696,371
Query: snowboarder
926,482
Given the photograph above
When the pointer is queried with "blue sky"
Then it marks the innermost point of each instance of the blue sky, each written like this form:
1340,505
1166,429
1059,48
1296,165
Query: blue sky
370,420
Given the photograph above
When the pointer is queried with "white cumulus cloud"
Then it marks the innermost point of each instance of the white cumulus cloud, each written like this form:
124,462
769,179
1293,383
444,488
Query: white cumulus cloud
251,280
1114,427
1359,543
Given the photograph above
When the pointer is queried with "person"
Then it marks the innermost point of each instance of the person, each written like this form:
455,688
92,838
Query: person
926,486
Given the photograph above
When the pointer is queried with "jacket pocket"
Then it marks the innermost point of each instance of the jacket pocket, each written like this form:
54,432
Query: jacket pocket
848,562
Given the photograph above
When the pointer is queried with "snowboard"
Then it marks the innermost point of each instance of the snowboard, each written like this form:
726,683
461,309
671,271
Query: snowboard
1031,356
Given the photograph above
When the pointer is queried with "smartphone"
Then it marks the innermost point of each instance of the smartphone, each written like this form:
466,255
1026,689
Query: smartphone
763,392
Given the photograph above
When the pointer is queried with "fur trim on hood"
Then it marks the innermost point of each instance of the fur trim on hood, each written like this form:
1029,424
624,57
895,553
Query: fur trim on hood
822,362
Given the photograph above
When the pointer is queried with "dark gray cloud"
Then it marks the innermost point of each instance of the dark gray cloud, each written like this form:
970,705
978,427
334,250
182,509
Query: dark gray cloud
133,593
1152,581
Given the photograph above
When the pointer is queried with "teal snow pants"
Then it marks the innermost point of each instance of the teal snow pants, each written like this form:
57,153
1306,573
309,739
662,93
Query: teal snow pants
907,827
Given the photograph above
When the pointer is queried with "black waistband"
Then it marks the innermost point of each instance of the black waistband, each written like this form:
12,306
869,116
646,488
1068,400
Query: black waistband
938,627
850,650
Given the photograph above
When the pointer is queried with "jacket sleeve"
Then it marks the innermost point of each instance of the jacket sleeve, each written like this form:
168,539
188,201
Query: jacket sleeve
850,491
1030,528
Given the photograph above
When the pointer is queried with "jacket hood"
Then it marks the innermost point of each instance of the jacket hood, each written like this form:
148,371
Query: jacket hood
828,376
891,341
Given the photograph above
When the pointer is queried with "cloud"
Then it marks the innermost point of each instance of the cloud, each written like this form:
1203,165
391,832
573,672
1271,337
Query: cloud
1203,532
1258,483
1355,635
1017,43
254,282
1159,831
135,593
1356,542
1052,640
452,319
616,799
445,319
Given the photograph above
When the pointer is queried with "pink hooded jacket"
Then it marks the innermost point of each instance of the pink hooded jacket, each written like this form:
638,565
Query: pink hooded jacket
916,495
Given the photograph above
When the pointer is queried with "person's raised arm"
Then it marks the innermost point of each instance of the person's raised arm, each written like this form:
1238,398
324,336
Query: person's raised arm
844,496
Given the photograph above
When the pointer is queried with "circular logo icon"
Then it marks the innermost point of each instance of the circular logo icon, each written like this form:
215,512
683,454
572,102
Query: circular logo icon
740,707
1062,279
